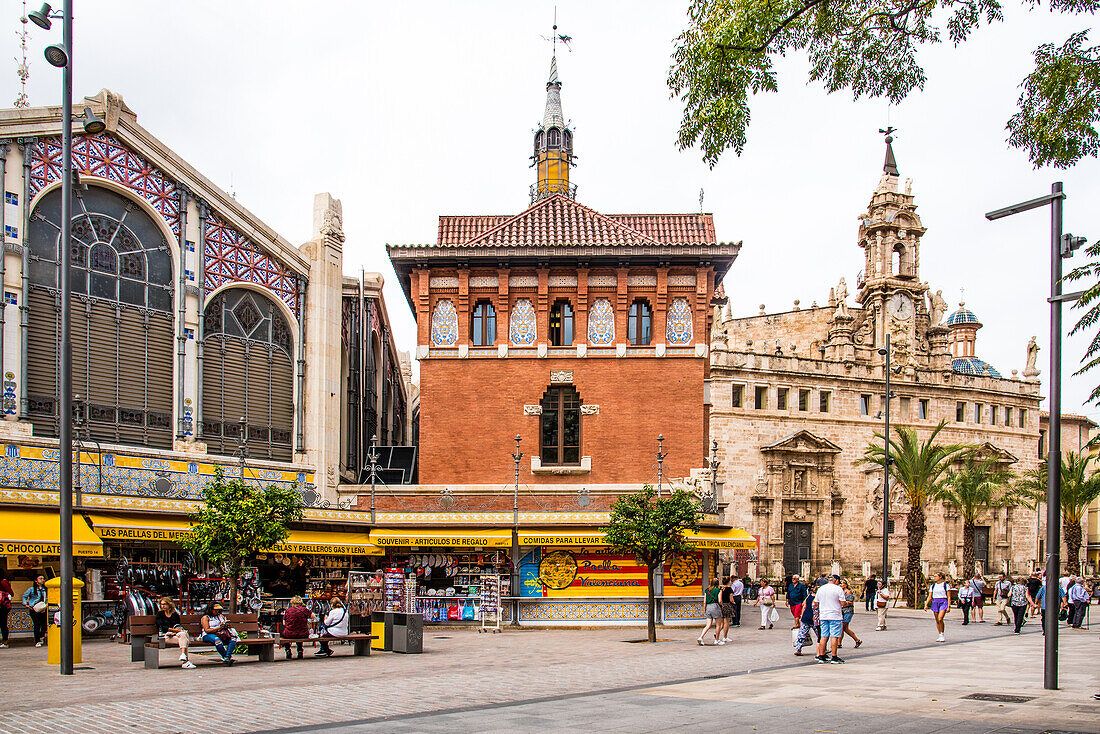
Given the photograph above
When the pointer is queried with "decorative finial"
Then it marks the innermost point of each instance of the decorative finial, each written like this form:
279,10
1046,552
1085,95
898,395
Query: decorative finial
554,37
890,166
23,71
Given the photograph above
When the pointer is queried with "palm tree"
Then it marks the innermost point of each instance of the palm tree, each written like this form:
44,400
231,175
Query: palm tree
919,469
1080,488
978,485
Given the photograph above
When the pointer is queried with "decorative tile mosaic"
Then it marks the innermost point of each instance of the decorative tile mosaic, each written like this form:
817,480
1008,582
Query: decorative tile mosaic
602,280
683,610
11,401
601,322
679,329
563,281
641,280
10,197
230,257
688,279
444,324
567,611
523,281
104,156
443,281
484,281
521,323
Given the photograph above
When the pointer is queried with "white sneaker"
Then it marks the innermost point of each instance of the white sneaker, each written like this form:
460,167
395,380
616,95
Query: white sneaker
729,639
38,644
3,644
188,665
183,657
940,639
720,642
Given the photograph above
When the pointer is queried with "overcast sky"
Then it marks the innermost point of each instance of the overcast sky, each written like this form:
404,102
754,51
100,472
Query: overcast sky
406,111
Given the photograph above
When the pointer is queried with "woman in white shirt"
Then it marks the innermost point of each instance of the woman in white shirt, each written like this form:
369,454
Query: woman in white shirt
939,601
336,625
882,603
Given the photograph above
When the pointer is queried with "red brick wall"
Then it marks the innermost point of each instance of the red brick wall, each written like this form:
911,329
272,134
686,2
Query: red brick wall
472,409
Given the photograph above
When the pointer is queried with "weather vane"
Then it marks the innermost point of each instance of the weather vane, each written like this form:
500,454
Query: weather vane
890,130
22,70
566,40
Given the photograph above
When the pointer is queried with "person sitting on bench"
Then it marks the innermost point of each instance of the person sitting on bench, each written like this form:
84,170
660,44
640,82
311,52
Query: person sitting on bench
295,625
215,630
169,627
335,625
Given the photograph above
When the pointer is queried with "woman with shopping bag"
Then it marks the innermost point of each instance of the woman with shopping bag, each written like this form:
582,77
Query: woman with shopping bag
766,601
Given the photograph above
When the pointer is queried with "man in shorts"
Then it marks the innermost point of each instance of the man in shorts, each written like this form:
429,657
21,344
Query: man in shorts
830,602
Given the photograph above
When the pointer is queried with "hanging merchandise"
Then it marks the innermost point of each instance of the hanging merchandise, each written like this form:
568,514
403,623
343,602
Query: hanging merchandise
490,603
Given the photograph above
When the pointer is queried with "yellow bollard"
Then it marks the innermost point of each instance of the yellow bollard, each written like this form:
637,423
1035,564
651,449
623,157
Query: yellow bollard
53,620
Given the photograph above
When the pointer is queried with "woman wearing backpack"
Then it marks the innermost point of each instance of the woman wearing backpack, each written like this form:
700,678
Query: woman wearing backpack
939,601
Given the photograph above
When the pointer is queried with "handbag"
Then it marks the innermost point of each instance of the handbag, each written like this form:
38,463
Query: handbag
39,607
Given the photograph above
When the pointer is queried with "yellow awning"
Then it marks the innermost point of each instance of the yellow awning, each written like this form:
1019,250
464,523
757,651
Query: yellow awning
328,543
139,527
557,536
38,533
441,537
724,538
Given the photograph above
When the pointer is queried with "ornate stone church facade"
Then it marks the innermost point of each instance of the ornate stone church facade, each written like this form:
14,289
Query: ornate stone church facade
797,396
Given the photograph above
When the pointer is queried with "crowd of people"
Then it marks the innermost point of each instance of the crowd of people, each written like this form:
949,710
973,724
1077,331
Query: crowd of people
825,607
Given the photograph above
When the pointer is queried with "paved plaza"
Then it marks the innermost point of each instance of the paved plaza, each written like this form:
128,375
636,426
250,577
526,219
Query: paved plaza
580,680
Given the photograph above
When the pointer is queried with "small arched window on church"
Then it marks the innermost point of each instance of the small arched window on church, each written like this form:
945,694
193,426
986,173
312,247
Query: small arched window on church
560,426
568,137
639,323
898,260
561,324
484,332
538,142
553,138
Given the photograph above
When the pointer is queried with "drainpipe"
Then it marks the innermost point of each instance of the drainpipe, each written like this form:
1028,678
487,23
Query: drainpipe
3,249
200,270
300,418
24,306
181,330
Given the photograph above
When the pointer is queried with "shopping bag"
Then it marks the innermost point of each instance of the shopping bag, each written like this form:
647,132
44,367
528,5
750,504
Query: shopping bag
468,612
454,613
773,617
794,634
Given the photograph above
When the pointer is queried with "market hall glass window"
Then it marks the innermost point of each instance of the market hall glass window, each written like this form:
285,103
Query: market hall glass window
248,373
123,340
560,427
484,332
639,323
561,324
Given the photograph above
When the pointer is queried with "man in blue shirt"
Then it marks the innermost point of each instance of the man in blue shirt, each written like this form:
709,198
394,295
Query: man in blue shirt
737,590
1041,600
796,596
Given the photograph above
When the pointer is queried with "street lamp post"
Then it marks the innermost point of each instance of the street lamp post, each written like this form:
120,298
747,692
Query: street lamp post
886,473
242,443
1061,246
372,454
515,537
660,461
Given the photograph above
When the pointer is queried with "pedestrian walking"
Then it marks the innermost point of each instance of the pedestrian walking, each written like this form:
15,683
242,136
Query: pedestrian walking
1002,591
34,599
1034,583
939,601
713,611
870,588
977,597
806,624
821,580
848,613
737,592
829,601
796,597
1018,600
725,600
1041,602
882,603
1078,602
965,601
6,595
765,599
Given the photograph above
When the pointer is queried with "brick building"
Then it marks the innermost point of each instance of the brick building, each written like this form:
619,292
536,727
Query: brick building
797,396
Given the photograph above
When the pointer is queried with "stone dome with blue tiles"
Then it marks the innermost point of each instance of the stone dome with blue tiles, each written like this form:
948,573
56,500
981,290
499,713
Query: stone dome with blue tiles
962,316
974,366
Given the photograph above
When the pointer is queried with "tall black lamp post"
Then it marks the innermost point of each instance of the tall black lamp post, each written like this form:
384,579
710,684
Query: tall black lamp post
515,537
61,56
660,461
372,454
885,351
1061,246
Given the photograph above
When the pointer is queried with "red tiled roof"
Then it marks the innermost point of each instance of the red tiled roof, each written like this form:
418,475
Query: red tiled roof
562,221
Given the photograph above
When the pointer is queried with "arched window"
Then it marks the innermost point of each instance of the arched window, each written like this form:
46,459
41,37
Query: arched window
560,428
553,138
123,339
639,323
484,331
568,136
561,324
538,142
247,373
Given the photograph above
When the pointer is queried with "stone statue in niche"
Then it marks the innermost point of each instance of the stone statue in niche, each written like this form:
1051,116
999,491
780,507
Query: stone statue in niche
841,300
799,481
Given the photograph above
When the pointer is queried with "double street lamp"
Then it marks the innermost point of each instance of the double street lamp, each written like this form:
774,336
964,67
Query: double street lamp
61,56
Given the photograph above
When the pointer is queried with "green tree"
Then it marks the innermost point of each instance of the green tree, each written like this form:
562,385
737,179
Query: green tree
652,528
1080,488
919,469
975,487
239,519
869,47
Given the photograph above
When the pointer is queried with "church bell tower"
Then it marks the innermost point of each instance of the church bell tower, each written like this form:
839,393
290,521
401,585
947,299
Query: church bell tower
553,145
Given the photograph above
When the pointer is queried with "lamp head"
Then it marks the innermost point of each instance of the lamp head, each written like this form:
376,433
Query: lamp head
882,351
57,55
93,124
41,17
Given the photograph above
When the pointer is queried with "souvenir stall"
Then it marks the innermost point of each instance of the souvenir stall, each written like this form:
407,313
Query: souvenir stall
440,573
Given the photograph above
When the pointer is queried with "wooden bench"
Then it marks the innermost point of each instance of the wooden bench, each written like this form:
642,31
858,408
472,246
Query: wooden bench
360,643
144,638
